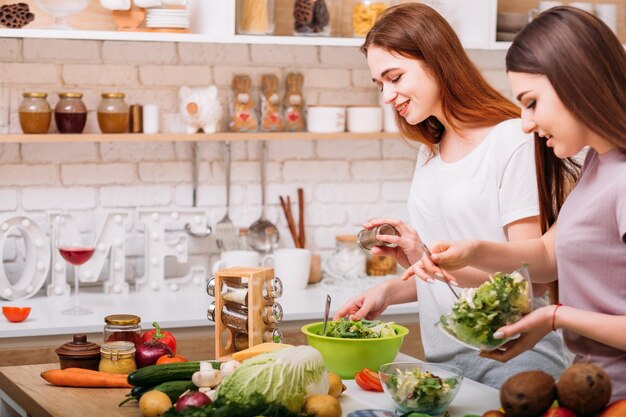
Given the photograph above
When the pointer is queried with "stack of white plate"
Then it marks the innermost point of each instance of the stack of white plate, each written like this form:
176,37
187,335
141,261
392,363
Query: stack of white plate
168,18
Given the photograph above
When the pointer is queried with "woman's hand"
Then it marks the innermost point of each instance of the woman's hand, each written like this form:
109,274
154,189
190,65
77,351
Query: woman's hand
532,328
445,256
368,305
408,249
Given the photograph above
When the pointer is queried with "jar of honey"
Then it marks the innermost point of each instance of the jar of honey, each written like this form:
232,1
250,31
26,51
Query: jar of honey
113,114
122,327
35,113
117,358
70,113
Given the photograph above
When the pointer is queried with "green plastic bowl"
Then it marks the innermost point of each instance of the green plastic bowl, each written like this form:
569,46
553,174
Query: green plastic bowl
345,357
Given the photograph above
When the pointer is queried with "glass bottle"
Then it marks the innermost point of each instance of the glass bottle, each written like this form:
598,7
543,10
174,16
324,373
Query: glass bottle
117,358
364,15
255,17
367,237
348,260
70,113
35,113
269,336
122,327
113,114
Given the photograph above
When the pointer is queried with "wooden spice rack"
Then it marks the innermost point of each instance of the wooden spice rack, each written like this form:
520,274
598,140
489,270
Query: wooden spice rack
255,278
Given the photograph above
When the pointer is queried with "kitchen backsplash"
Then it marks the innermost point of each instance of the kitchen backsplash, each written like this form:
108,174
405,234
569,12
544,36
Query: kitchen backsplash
345,182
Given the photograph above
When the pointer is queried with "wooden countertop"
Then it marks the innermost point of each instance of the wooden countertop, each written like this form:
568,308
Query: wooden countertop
40,399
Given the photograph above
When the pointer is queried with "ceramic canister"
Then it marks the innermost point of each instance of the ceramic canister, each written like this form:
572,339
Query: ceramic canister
326,119
365,119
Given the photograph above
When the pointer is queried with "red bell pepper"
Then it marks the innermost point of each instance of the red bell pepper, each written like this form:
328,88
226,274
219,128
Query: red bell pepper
160,336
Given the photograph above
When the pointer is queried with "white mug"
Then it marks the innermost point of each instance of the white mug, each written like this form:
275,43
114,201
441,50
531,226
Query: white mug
389,119
608,14
116,4
326,119
292,266
365,119
233,258
588,7
542,7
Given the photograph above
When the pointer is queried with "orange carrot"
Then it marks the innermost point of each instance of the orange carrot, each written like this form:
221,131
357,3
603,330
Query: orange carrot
92,372
94,379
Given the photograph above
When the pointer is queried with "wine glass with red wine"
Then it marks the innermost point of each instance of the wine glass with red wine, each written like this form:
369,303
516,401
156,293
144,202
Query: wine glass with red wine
76,244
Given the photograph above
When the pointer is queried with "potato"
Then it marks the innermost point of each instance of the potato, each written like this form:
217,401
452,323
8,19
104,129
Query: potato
584,388
527,394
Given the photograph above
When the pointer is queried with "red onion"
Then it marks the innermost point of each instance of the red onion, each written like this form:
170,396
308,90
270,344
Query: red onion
149,352
192,399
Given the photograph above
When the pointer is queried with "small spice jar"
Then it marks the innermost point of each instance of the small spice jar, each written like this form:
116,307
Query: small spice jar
232,317
70,113
117,358
113,114
272,314
238,294
35,113
79,353
367,237
273,288
269,336
122,327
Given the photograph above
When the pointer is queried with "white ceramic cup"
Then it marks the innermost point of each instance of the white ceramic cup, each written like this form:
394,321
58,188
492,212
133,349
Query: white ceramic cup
150,119
588,7
608,14
233,258
389,119
115,4
542,7
326,119
365,119
292,266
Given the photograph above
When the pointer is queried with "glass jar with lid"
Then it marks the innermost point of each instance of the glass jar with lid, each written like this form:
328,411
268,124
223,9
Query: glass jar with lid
113,113
117,358
348,260
35,113
70,113
316,17
255,17
122,327
364,15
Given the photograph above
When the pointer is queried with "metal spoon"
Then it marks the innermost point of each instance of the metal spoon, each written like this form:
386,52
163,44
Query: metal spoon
262,234
430,255
326,313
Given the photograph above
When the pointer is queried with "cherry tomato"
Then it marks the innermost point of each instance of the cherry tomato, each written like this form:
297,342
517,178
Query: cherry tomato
16,314
170,359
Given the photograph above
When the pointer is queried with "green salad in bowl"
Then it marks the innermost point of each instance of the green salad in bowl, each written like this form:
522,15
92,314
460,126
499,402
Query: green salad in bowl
479,312
419,386
362,329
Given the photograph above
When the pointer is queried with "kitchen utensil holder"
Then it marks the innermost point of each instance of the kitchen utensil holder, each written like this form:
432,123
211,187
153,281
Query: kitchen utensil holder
256,279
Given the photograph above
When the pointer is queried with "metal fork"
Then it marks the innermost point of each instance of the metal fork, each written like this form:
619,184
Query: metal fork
430,256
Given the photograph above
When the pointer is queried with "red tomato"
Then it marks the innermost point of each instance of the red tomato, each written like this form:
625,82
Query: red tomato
372,378
170,359
16,314
367,383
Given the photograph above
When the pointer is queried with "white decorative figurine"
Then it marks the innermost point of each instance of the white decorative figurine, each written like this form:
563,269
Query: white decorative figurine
201,108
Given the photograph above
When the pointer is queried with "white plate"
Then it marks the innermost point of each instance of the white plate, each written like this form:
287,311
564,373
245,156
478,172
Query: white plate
171,26
168,12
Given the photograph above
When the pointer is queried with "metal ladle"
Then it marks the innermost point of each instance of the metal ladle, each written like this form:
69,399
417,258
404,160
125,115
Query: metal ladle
326,314
195,162
262,234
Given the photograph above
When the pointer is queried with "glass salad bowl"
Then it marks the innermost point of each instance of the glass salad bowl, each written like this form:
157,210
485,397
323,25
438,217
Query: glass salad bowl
61,10
479,312
420,387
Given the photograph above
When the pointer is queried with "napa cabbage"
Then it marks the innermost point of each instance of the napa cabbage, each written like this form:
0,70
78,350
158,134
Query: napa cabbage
286,376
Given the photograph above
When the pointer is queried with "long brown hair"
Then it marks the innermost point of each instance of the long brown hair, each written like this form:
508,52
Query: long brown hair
586,65
417,31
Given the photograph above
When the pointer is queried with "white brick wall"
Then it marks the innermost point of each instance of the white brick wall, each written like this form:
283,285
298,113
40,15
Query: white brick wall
345,182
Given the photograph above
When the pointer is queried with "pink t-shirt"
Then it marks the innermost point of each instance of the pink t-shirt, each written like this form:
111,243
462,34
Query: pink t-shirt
591,256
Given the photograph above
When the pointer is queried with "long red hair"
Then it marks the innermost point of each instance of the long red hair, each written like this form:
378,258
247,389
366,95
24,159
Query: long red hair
417,31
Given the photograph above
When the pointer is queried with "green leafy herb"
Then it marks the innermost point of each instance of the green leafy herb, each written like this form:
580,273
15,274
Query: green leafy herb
362,329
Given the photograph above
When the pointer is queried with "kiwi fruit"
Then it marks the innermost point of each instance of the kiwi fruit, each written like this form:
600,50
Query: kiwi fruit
584,388
527,394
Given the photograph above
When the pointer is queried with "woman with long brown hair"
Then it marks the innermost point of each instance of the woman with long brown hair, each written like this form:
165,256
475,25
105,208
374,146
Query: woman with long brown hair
568,70
474,176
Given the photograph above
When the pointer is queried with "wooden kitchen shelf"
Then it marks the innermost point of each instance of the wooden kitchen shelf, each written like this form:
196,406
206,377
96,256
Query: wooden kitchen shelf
198,137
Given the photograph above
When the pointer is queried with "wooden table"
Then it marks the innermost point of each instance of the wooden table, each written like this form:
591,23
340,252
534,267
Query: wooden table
35,397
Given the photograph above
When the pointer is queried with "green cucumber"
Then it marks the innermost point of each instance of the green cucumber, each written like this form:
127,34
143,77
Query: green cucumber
153,375
172,389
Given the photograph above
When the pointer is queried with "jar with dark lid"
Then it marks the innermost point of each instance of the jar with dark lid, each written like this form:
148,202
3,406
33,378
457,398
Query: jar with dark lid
269,336
70,113
35,113
117,358
367,237
79,353
122,327
113,114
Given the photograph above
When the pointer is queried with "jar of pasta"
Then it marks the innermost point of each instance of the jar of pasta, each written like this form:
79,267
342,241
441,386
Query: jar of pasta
364,15
255,17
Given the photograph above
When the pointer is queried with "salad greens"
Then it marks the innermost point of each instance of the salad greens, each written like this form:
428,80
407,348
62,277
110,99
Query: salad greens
362,329
419,390
479,312
257,406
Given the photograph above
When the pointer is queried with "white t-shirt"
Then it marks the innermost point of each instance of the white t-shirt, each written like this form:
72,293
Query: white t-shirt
475,198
